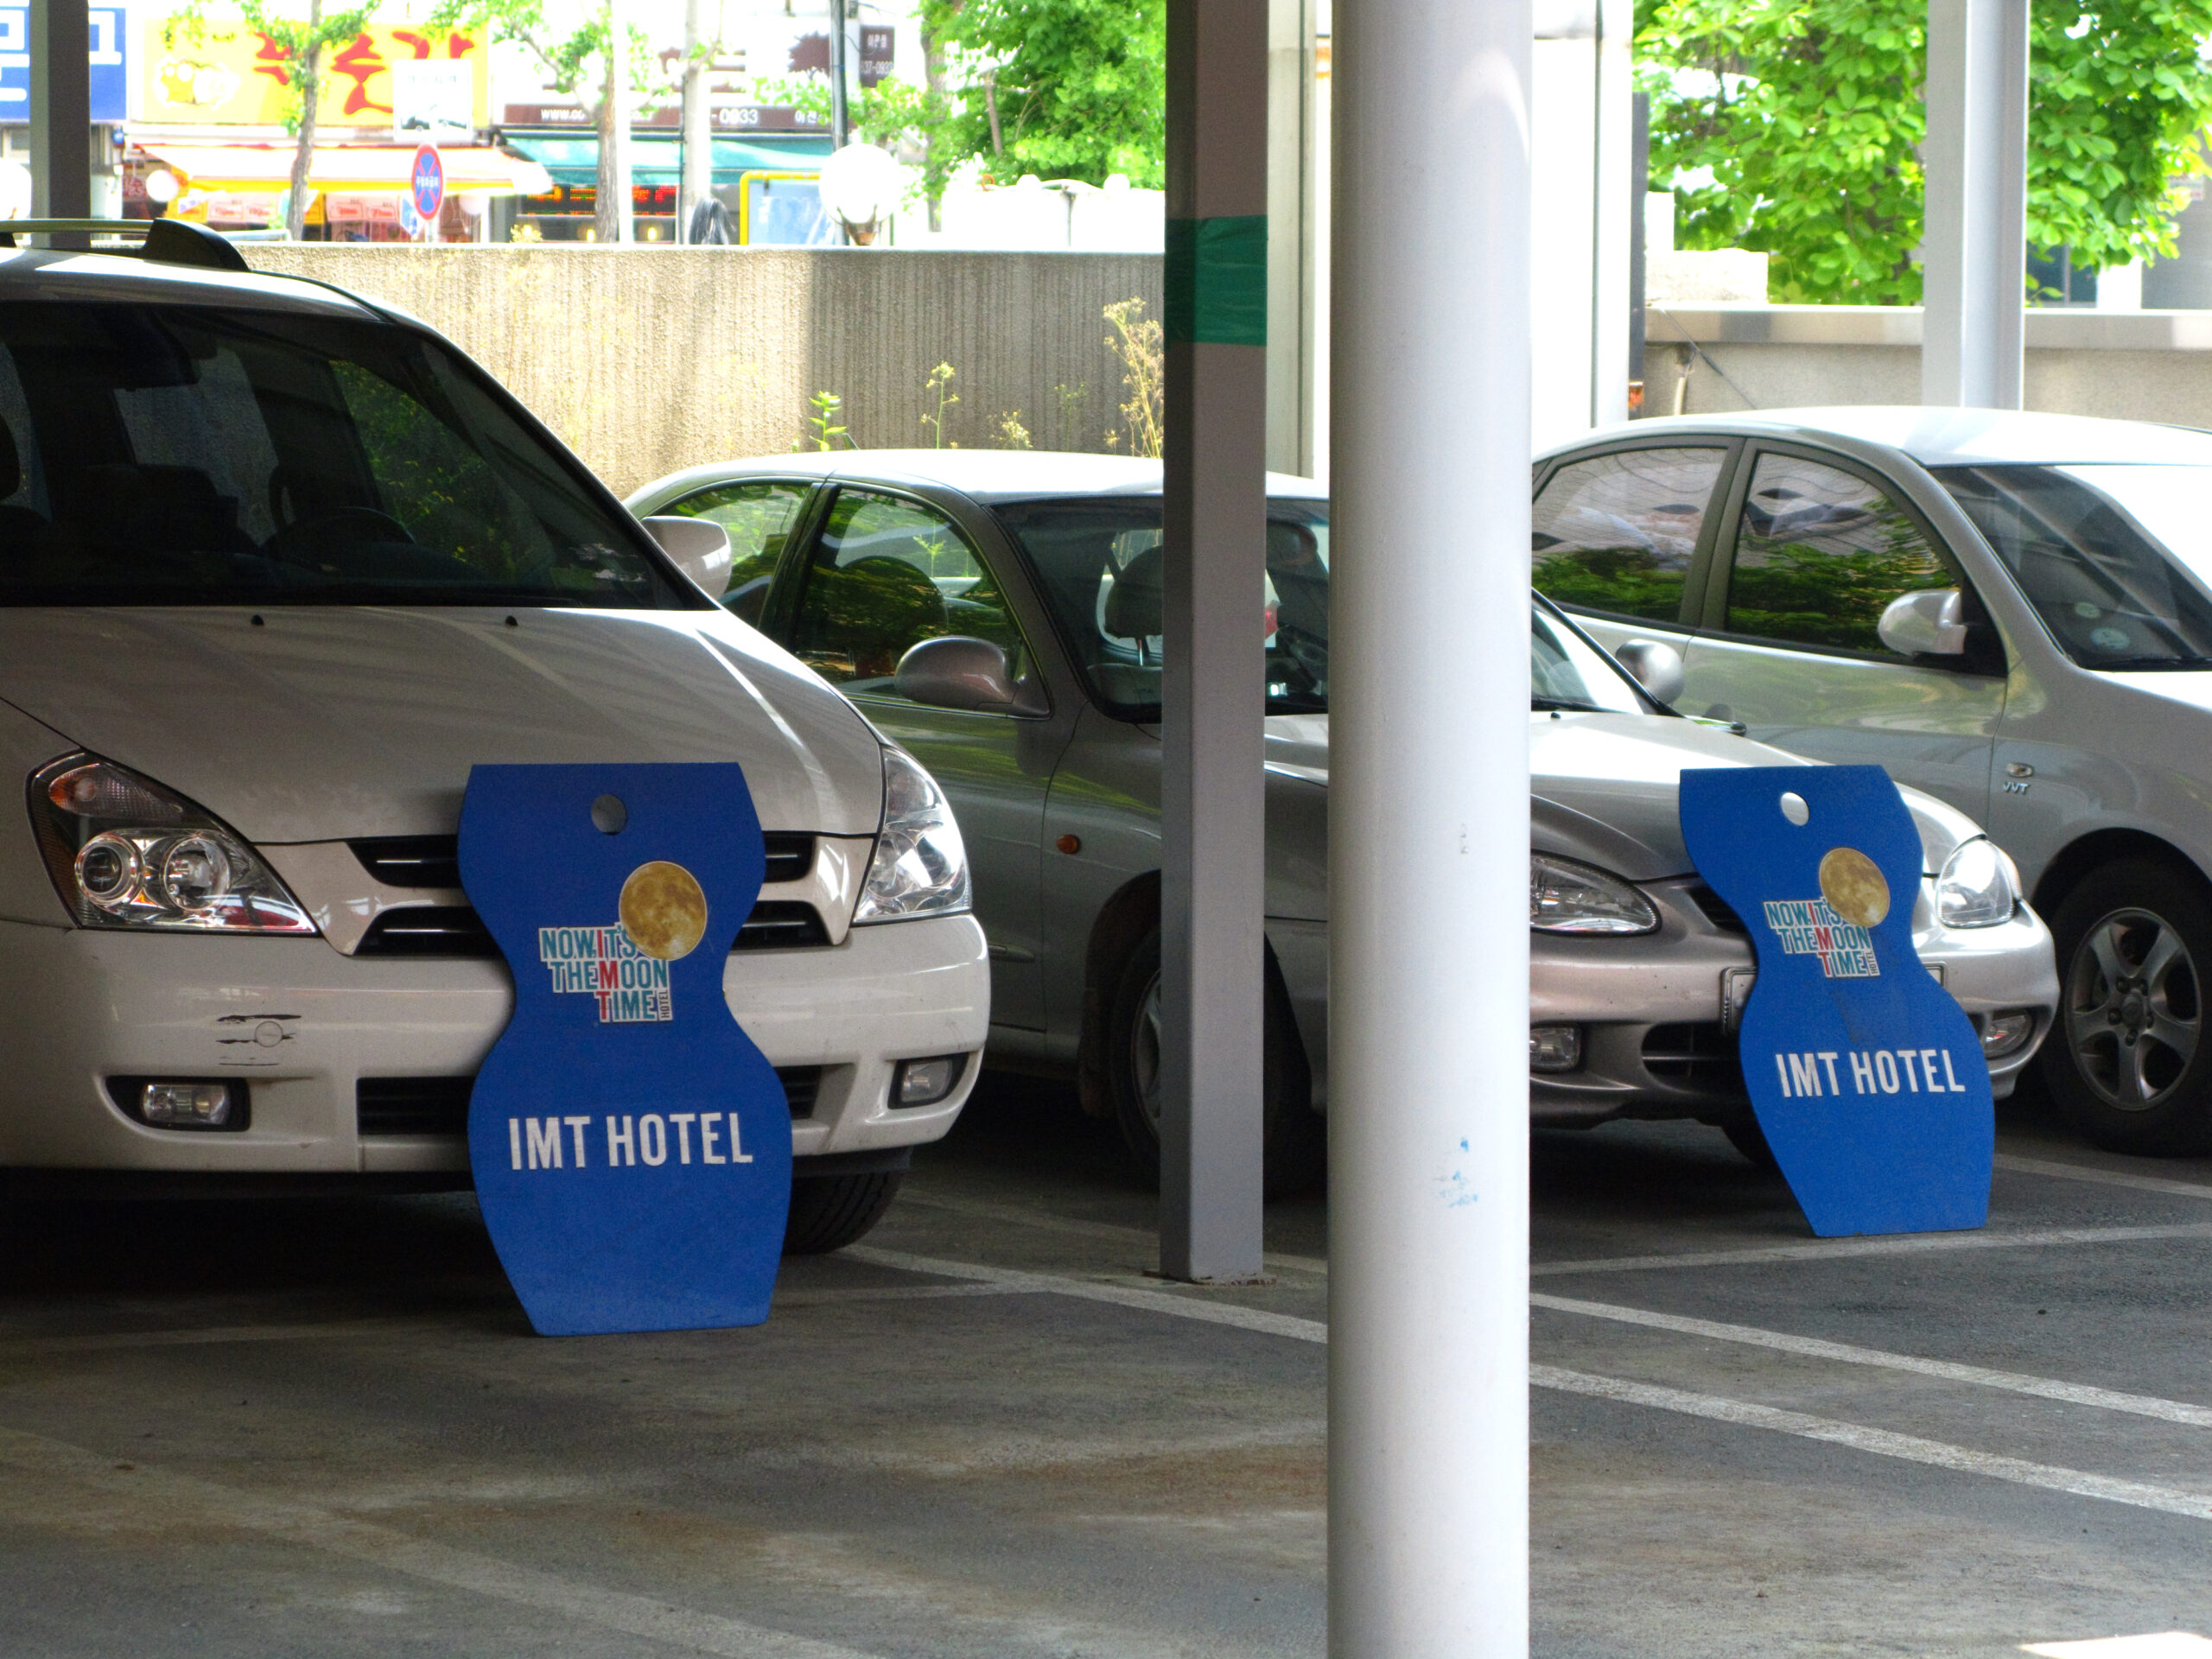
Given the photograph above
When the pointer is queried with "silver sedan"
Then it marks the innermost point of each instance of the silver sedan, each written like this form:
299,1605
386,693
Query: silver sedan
2012,612
999,614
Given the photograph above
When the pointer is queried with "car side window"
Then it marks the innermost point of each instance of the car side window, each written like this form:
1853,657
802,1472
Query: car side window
1616,532
759,517
886,574
1819,554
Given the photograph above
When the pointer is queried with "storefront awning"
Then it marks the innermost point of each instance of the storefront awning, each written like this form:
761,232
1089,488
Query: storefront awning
256,170
573,157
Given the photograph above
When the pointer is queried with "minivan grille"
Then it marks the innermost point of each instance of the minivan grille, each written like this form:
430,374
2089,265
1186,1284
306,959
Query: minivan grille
435,860
1701,1056
1715,907
440,1105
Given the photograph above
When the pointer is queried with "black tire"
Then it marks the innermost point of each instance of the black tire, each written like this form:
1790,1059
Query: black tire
830,1211
1744,1134
1295,1148
2127,1065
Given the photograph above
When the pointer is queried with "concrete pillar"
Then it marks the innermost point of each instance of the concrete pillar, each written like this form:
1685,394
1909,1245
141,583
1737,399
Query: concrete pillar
1428,833
1974,250
60,110
1213,695
1292,142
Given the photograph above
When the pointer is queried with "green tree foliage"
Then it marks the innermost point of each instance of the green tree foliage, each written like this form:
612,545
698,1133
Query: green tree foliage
1807,113
1066,89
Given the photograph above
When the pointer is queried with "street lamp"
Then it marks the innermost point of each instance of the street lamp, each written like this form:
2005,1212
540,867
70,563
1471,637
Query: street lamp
861,187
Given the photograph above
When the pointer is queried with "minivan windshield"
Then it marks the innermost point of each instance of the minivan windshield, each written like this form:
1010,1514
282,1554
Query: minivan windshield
157,455
1099,564
2116,560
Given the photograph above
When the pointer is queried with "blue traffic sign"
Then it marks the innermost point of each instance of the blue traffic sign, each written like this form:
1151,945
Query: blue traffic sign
631,1146
427,182
110,67
1865,1077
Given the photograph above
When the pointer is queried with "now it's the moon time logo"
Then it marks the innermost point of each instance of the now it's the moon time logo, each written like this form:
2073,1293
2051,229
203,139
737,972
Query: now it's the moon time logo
663,917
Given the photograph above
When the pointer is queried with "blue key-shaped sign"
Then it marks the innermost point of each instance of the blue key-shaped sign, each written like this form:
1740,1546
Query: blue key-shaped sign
632,1147
1865,1075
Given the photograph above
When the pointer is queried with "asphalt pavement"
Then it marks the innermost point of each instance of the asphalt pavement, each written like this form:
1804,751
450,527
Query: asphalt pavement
324,1428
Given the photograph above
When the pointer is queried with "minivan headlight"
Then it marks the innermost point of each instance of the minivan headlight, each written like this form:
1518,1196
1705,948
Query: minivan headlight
124,852
920,867
1565,897
1979,886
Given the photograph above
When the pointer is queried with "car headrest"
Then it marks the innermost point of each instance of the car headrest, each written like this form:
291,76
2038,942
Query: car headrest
1133,604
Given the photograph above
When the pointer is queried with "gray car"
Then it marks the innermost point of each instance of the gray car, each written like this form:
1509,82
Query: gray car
2012,612
998,614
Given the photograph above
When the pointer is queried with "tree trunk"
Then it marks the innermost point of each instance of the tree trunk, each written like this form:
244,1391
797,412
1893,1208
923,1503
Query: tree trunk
309,71
933,76
698,182
611,217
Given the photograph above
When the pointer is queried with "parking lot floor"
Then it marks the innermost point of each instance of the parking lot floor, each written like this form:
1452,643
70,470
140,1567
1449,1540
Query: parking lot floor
324,1428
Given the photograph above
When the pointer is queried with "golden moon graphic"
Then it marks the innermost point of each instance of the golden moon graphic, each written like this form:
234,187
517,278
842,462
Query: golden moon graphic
1850,881
665,910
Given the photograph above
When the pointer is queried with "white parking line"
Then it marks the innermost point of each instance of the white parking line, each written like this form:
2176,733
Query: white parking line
1837,1249
113,1493
2141,1405
1881,1441
1182,1306
2104,1177
1044,1221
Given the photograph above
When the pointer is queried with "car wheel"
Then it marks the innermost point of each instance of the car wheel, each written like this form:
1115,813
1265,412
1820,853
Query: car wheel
1295,1148
830,1211
2130,1066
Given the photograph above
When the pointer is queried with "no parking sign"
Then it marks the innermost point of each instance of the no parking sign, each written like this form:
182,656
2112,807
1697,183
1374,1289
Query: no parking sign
426,188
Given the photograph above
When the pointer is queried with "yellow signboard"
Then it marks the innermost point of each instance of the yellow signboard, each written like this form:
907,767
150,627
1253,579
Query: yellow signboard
389,75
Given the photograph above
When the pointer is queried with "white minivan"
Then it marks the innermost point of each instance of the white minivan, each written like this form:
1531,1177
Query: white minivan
276,568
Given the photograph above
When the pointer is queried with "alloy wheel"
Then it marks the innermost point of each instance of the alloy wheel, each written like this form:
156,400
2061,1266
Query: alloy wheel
2133,1009
1144,1052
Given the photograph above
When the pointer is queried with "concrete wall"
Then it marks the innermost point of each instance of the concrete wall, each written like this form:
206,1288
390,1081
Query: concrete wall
645,360
2144,366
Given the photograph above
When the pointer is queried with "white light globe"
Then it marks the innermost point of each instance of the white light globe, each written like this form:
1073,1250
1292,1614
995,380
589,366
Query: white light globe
862,186
162,186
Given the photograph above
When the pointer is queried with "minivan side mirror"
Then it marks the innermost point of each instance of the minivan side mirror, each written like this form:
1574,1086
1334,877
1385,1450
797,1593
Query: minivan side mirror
699,548
1653,664
957,671
1928,622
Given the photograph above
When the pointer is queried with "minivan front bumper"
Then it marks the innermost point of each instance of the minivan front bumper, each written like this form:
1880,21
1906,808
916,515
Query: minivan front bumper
303,1028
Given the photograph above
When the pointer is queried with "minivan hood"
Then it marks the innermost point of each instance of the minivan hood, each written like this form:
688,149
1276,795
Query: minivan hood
318,723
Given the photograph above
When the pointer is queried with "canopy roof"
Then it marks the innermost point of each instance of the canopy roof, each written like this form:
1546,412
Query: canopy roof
255,169
573,157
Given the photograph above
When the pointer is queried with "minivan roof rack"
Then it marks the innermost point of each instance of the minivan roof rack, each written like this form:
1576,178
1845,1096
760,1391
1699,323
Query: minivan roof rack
171,241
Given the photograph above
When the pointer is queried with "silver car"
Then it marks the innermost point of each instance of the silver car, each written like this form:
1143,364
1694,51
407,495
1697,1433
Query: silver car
2012,612
998,614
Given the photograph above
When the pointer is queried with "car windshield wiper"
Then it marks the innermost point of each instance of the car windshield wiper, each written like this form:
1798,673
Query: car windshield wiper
1557,705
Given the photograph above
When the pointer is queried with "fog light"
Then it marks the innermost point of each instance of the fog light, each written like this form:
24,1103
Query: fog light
925,1083
2006,1032
185,1105
1555,1048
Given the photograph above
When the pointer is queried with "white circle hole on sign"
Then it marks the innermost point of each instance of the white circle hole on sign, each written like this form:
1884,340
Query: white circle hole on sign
1794,807
609,816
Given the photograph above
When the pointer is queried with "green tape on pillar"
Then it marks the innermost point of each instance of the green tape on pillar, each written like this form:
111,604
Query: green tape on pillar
1217,281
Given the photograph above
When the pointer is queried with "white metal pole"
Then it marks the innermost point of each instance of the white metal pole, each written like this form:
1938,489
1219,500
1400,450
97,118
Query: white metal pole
1428,833
1213,806
1973,269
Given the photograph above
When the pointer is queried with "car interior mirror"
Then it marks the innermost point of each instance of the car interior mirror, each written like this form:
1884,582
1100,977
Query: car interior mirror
699,548
957,671
1928,622
1655,665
